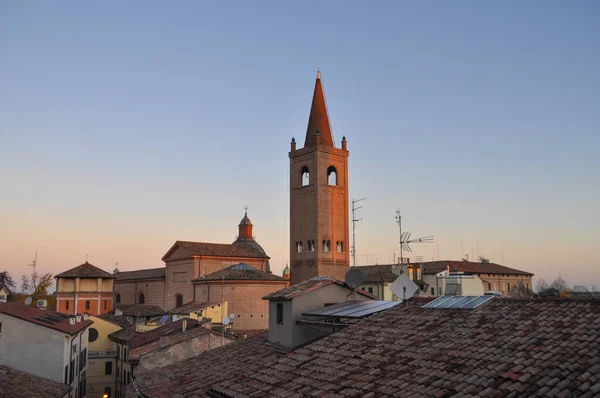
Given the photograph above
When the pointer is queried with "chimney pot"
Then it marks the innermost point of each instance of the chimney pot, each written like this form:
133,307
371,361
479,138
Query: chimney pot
184,325
78,318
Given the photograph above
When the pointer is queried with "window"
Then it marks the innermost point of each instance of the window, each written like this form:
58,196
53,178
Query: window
125,354
67,305
370,290
108,367
72,371
141,300
118,299
339,247
508,285
489,286
326,245
305,176
280,313
66,374
107,391
178,300
298,247
87,305
432,291
119,352
311,245
331,176
105,304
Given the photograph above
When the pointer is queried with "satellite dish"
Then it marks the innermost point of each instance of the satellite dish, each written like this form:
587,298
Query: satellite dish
226,321
403,287
231,316
28,300
354,278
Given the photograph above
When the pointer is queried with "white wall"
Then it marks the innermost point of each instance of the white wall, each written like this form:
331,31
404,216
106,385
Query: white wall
38,350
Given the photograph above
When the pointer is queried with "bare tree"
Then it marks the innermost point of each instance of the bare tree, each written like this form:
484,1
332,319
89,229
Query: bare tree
24,284
519,290
43,283
558,288
484,260
7,280
579,289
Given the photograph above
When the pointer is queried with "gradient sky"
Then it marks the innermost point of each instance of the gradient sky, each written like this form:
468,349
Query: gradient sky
125,126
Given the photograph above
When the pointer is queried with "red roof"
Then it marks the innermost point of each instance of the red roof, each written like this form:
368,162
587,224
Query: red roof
433,267
508,347
309,285
46,318
318,119
151,273
85,270
17,384
219,249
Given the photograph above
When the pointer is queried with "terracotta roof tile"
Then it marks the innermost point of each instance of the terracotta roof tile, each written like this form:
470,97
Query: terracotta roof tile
433,267
117,320
221,250
309,285
190,307
17,384
507,347
144,310
238,272
151,273
378,273
47,318
85,270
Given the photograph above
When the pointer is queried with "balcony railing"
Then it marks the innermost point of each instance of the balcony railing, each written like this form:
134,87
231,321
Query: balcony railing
102,354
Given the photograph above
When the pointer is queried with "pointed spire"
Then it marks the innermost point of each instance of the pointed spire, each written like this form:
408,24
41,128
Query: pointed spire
319,129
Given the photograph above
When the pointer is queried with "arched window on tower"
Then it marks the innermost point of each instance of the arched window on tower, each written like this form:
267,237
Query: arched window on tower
178,300
305,176
142,298
326,245
298,247
340,247
87,305
311,245
331,176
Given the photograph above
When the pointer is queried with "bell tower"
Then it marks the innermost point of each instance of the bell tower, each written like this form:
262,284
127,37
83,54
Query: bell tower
319,231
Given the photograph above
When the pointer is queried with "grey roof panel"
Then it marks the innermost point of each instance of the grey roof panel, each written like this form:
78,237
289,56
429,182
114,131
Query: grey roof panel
353,309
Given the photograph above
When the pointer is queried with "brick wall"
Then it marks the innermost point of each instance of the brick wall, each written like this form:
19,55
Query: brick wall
244,298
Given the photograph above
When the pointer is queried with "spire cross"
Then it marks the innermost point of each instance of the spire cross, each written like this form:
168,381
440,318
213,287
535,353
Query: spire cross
246,209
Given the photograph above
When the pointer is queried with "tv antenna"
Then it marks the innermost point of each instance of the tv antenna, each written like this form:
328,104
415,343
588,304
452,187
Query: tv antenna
34,264
354,221
405,239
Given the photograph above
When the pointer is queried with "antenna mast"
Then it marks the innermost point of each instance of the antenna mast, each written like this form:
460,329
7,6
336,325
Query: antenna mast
354,221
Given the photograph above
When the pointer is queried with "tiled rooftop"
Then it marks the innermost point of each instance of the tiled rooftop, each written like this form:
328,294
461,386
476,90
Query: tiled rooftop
378,273
191,307
151,273
174,336
221,249
117,320
509,347
309,285
192,377
144,310
17,384
85,270
47,318
238,272
433,267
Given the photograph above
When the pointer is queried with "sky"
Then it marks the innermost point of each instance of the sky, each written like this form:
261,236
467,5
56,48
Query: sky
125,126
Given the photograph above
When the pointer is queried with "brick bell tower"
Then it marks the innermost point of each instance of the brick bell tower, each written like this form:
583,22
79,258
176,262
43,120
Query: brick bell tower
319,231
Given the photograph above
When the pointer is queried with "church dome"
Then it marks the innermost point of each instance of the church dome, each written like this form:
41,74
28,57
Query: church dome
245,220
286,271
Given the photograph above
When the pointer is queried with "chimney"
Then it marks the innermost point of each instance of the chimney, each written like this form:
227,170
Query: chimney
184,325
78,318
72,321
293,144
85,316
